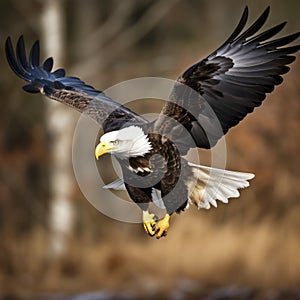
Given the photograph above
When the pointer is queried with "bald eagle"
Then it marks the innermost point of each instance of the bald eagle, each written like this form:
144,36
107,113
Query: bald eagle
209,98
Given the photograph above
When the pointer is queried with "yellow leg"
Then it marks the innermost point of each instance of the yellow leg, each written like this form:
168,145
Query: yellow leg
149,222
162,226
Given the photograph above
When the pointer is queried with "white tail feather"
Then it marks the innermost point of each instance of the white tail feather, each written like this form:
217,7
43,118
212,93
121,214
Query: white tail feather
210,184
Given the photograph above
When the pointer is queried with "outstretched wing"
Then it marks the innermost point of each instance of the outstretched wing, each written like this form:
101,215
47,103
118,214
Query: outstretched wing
67,90
229,83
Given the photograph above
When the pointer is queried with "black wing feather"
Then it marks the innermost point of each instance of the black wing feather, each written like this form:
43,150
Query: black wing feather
21,56
280,42
12,60
257,25
32,70
68,90
266,34
34,56
230,82
48,64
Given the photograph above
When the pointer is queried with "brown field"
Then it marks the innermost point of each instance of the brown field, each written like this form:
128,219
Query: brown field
200,253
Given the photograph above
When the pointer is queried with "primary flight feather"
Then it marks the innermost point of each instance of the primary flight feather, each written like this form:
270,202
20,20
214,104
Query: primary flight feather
208,99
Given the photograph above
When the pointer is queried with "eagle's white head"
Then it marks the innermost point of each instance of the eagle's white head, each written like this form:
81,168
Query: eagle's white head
127,142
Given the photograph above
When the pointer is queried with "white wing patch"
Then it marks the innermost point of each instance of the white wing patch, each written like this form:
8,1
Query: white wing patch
120,186
156,198
116,185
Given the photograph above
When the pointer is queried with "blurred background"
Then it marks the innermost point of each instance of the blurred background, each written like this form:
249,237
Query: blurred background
53,242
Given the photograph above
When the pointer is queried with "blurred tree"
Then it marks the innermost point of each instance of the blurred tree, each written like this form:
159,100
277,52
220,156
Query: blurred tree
60,123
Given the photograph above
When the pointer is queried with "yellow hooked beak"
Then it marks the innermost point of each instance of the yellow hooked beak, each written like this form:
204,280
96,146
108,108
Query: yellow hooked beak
102,148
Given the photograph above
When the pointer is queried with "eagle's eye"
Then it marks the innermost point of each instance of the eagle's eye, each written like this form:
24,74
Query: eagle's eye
116,142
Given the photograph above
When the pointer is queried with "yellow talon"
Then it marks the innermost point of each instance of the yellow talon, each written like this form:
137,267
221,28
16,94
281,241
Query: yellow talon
149,222
162,226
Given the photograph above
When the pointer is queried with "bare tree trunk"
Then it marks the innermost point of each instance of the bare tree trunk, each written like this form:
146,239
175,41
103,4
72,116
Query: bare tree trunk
60,125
